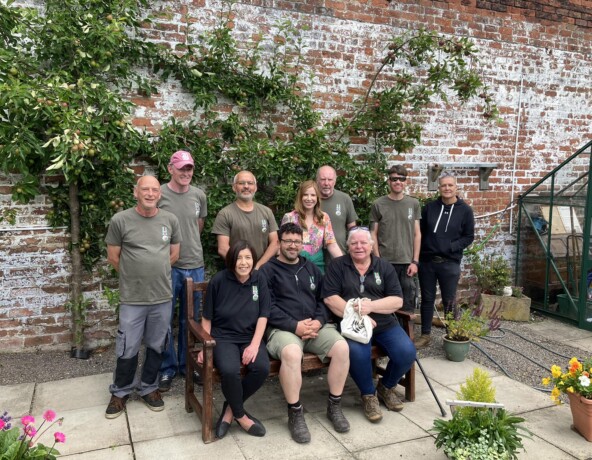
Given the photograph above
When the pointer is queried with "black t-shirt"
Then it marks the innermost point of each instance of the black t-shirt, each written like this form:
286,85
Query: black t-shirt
380,281
234,308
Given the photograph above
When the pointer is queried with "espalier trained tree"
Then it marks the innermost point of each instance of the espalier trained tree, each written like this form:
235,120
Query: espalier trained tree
67,71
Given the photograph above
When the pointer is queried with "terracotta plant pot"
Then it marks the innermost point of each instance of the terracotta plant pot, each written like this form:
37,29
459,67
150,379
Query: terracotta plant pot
581,411
456,351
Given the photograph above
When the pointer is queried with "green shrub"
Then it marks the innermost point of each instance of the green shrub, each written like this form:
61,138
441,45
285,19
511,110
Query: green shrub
477,388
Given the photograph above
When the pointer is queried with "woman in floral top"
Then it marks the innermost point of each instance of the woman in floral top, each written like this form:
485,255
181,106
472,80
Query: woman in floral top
318,231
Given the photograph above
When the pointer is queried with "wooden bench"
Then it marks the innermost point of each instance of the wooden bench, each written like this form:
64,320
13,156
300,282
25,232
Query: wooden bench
199,339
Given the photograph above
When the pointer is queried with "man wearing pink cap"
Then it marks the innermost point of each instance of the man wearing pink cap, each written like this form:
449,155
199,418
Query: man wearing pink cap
189,204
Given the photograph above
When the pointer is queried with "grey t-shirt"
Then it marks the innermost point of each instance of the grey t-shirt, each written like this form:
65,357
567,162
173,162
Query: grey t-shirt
253,226
341,210
396,227
144,264
188,207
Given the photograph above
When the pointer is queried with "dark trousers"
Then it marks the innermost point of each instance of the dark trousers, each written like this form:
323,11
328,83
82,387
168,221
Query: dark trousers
227,359
446,274
407,286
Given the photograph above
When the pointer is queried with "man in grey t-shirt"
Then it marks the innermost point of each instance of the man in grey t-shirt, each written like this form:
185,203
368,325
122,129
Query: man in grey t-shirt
189,205
394,222
246,220
337,204
142,244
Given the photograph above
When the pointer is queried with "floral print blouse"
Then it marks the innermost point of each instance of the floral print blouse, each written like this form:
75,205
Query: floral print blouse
315,237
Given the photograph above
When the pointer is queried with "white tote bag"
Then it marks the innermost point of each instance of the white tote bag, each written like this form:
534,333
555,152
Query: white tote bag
355,326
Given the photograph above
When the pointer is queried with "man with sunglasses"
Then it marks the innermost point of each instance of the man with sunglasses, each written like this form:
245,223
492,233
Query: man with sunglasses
297,324
394,220
189,205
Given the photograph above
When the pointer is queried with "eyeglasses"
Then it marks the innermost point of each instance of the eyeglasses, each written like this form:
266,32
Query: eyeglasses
355,229
292,242
362,279
397,179
242,183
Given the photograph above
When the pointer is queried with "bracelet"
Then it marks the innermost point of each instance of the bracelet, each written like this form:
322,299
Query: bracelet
415,262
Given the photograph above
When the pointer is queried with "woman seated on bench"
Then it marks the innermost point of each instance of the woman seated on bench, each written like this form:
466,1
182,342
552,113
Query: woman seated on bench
235,314
360,274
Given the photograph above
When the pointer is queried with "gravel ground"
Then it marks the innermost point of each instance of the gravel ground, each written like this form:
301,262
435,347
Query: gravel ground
17,368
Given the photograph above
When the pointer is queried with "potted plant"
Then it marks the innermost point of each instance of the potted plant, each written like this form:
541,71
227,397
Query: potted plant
575,382
493,275
481,430
463,324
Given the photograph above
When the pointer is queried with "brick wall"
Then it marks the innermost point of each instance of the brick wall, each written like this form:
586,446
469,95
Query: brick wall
535,56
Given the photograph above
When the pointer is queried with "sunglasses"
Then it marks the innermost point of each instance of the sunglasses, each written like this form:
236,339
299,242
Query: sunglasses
397,179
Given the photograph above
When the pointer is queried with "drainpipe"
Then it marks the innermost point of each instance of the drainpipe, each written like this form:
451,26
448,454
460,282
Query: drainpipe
516,149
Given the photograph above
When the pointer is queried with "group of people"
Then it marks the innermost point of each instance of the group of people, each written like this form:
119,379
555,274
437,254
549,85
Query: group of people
284,289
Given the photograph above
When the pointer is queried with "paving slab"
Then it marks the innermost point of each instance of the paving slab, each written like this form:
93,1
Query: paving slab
111,453
187,446
87,429
415,449
449,373
534,448
424,410
16,399
145,424
553,425
277,443
71,394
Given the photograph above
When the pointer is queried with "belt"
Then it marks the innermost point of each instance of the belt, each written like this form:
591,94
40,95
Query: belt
439,260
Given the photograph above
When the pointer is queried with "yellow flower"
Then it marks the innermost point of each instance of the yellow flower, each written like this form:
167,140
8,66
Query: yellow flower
570,389
546,381
555,371
555,393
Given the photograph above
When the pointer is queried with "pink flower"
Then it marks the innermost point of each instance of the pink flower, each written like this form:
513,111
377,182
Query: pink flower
2,424
30,431
59,437
49,415
27,420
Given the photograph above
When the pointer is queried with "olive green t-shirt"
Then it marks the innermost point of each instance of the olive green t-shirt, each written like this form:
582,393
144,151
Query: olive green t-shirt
396,227
144,263
341,210
253,226
188,207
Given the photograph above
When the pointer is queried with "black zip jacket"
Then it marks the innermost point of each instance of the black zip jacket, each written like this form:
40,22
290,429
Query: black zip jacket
295,291
446,230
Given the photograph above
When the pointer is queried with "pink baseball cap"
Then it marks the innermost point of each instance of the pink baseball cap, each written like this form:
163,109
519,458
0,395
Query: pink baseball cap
181,159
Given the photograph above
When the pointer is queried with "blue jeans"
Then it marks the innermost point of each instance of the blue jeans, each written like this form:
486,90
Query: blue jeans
398,347
174,363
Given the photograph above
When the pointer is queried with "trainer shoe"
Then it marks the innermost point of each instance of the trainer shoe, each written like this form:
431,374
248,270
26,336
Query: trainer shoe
164,383
371,408
389,397
297,425
154,401
423,341
335,415
116,406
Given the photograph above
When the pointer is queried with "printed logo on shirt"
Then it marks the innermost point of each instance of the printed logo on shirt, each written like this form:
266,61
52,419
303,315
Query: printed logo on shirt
377,278
197,208
264,225
312,283
255,294
338,210
165,233
410,213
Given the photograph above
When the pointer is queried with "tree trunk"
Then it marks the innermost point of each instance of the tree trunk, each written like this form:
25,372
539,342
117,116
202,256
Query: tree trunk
76,280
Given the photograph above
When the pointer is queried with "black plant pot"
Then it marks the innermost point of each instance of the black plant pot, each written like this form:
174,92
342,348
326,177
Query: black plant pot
79,353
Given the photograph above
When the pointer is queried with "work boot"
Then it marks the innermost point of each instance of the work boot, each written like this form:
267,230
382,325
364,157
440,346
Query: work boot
297,425
154,401
389,397
116,406
371,408
423,341
335,415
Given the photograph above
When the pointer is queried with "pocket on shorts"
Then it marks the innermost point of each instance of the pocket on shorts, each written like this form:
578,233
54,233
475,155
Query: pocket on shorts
120,344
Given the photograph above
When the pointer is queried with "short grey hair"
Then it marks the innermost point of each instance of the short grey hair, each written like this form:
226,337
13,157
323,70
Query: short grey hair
446,174
359,229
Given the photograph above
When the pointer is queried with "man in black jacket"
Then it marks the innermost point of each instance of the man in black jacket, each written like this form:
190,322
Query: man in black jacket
447,228
297,324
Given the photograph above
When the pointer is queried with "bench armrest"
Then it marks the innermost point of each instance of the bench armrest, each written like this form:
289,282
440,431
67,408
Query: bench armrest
200,333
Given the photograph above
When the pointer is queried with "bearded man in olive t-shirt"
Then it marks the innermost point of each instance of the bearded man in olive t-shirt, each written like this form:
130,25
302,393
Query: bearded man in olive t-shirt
142,244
